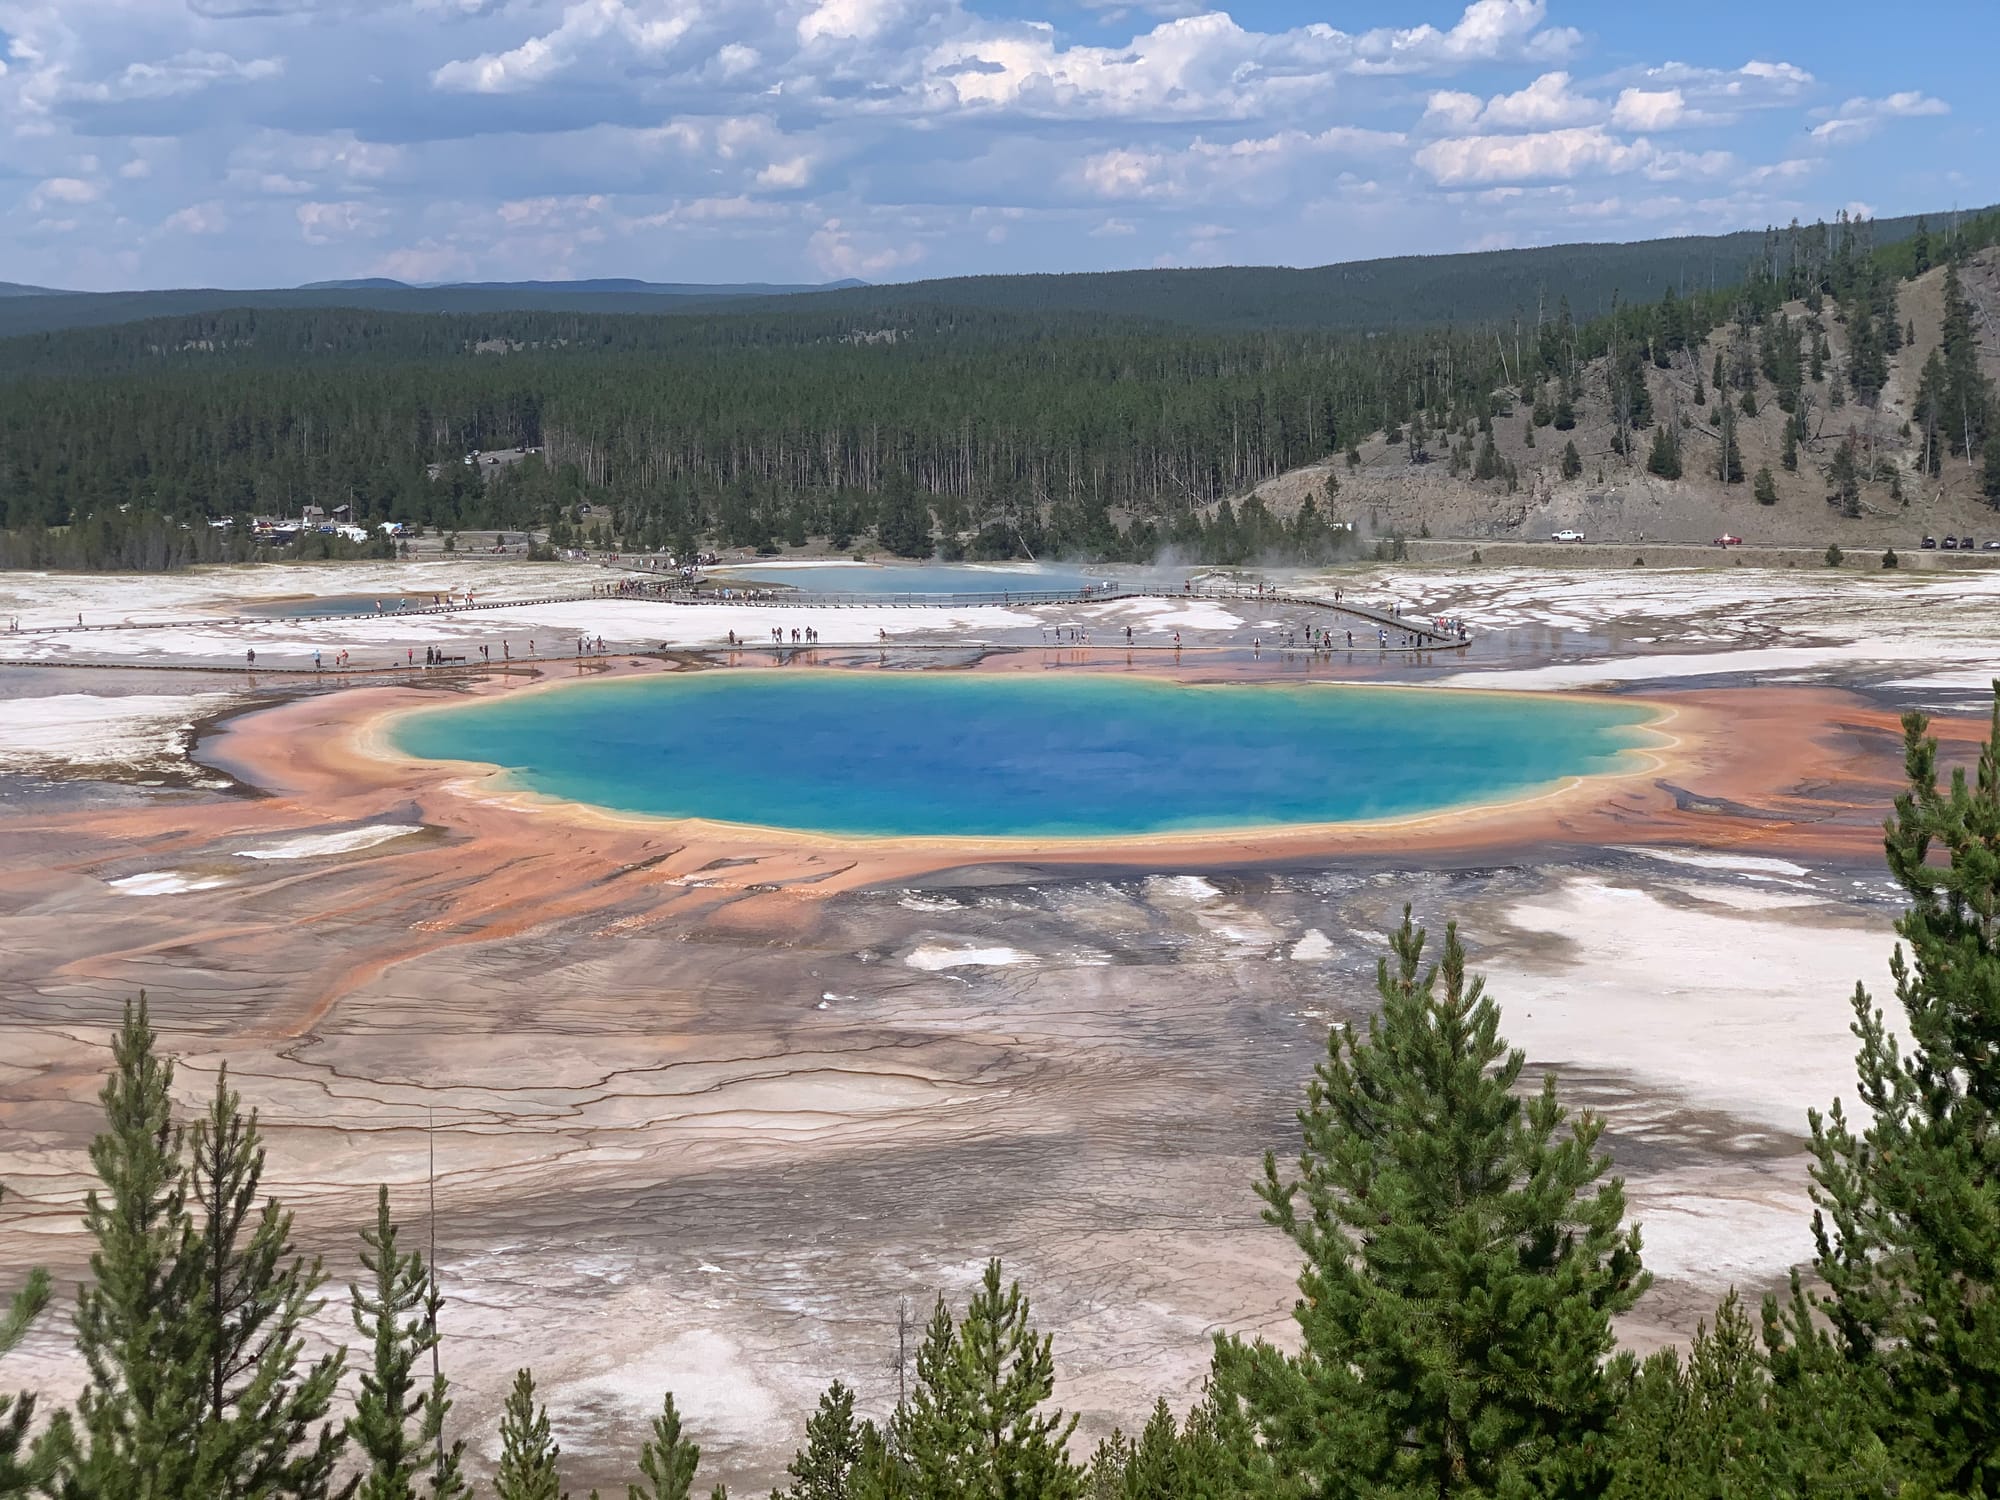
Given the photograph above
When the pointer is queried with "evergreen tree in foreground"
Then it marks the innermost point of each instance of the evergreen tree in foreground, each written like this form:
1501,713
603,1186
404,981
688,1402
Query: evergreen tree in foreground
252,1298
1463,1263
399,1432
1702,1430
1908,1227
1165,1463
528,1454
824,1468
190,1324
136,1421
974,1427
18,1473
668,1460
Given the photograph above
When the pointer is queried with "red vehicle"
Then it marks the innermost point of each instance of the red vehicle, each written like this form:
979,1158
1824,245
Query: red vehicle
1726,540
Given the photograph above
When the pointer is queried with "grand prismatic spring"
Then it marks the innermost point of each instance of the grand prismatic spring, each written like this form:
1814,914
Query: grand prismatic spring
958,755
740,995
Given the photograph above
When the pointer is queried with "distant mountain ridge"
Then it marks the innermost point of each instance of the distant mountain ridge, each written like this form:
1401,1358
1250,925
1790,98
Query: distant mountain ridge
1396,291
26,310
588,286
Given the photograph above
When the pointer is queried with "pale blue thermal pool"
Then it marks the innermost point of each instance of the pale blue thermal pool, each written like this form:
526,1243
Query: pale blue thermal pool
336,604
978,755
879,580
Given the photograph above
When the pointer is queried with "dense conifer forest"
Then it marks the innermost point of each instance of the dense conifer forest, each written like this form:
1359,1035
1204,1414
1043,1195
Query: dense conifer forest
1463,1252
896,415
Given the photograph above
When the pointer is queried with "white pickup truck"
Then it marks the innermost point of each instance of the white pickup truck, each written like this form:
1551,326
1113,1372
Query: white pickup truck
1567,536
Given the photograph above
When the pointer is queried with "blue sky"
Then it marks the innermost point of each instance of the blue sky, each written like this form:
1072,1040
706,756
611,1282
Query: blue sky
266,142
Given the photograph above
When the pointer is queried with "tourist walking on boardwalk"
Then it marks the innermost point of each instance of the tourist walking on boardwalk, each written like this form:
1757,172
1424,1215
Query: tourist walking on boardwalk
250,657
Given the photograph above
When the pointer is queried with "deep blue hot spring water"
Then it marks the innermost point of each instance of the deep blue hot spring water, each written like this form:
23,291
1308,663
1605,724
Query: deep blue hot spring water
974,754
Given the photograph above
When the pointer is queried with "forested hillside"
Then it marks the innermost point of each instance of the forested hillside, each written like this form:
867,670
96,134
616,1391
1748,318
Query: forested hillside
1491,286
991,431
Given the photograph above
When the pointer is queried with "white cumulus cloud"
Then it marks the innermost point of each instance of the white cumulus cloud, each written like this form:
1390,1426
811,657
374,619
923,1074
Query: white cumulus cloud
1649,109
839,251
198,218
647,28
1477,160
323,223
1860,118
1547,102
185,73
64,190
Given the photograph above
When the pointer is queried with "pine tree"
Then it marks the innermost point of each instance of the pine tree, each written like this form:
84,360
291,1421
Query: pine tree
928,1433
21,1468
251,1299
667,1461
1463,1263
1665,459
1824,1419
399,1432
1789,455
1964,400
1572,461
1009,1372
1846,475
824,1468
1729,459
1165,1463
1765,488
974,1425
903,520
1156,1458
138,1416
1487,465
1703,1430
528,1454
1908,1222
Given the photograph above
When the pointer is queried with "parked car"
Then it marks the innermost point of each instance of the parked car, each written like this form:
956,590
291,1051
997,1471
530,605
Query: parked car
1967,544
1950,544
1993,546
1567,536
1930,544
1726,540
